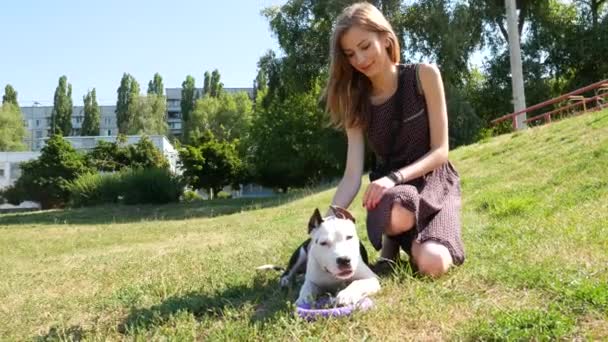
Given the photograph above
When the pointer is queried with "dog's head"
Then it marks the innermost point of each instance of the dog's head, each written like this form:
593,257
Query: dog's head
334,242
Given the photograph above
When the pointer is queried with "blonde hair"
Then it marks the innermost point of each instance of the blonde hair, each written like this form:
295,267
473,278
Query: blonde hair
348,90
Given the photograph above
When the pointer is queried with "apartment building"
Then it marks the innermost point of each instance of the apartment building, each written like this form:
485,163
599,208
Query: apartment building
37,119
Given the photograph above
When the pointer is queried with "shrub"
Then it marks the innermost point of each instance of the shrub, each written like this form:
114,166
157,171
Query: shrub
191,196
150,186
223,195
137,186
93,189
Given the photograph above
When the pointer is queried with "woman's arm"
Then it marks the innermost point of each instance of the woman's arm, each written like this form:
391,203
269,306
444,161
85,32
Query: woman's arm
351,181
432,86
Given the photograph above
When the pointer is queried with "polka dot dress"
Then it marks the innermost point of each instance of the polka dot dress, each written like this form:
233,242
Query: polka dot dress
435,197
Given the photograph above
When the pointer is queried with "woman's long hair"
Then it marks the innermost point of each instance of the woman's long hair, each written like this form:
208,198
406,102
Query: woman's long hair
347,92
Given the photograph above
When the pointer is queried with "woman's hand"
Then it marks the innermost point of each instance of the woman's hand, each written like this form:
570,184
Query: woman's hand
375,190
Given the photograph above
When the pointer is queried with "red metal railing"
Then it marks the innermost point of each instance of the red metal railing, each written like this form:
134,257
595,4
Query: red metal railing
601,94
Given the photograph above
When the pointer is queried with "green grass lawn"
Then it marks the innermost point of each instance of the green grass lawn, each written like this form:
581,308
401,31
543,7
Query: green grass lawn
535,226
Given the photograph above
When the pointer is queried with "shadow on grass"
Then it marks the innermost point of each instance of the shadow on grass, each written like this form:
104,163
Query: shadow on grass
107,214
265,296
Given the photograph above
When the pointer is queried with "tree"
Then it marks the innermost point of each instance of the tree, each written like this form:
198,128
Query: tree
145,155
291,145
188,98
206,83
116,156
215,86
445,32
227,117
155,86
10,95
46,179
61,116
211,164
90,125
126,105
151,116
12,130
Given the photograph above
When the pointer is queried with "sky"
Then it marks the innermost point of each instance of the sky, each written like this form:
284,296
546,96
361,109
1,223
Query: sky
94,42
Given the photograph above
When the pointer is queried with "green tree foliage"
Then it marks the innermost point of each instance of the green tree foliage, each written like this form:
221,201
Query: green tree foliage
211,164
92,114
46,179
61,117
188,99
215,86
151,117
228,117
12,130
206,83
155,86
291,145
10,96
271,68
447,33
126,104
116,156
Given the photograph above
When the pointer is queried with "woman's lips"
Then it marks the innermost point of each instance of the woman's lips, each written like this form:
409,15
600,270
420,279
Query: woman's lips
367,67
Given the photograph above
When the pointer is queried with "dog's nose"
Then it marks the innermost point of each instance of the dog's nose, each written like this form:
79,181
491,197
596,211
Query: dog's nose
343,262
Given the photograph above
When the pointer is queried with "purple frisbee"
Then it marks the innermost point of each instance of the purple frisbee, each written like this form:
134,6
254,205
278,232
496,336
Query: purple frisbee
310,312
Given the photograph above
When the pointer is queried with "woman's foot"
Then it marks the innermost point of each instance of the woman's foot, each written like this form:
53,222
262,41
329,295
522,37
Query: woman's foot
390,248
388,256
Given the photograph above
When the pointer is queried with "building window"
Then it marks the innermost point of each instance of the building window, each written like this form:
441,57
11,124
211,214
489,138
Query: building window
38,134
37,123
2,173
109,132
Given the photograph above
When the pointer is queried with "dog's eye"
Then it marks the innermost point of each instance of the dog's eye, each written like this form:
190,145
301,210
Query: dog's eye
348,237
324,243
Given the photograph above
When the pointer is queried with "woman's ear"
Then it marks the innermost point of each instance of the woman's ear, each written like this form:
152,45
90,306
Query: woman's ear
385,40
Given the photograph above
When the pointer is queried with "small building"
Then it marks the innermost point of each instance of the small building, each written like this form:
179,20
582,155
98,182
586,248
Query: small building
9,166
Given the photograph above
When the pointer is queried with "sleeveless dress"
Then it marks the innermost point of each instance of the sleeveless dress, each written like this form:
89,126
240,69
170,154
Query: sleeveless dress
435,197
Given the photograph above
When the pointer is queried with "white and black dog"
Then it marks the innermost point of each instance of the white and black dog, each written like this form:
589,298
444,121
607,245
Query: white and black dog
332,258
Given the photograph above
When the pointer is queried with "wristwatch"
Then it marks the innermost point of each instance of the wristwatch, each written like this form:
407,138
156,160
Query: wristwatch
395,176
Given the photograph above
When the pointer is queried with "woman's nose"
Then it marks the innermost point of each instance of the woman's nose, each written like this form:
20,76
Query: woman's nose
360,59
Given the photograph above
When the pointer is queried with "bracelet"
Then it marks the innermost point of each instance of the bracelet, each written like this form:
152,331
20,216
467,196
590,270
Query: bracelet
395,176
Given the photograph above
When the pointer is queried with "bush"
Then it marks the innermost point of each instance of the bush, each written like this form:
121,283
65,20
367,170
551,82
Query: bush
223,195
191,196
150,186
94,189
138,186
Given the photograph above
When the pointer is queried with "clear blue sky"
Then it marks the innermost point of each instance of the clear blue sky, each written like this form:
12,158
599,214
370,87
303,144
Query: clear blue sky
94,42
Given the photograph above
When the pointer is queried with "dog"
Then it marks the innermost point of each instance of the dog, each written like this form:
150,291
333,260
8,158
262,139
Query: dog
298,260
332,259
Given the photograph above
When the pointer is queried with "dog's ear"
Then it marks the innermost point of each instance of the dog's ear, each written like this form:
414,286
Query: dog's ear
315,221
342,213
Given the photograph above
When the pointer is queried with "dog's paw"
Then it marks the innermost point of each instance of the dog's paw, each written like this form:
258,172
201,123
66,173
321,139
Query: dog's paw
348,297
301,301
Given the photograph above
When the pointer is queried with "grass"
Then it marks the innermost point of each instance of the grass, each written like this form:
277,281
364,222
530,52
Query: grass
535,226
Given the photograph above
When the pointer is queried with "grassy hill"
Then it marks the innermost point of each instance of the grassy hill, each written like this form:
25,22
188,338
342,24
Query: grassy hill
535,226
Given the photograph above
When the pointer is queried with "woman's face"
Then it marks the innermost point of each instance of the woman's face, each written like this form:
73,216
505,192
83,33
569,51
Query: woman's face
365,50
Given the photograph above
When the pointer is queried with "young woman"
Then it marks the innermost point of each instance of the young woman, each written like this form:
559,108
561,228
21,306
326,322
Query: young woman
400,109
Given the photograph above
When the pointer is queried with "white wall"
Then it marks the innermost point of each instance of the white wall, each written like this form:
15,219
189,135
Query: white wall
9,166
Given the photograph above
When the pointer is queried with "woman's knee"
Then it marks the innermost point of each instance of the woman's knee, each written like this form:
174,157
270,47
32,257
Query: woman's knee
432,259
402,220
